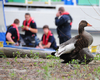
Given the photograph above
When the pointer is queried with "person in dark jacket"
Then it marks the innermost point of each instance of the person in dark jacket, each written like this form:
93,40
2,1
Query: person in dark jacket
63,22
48,40
12,34
30,28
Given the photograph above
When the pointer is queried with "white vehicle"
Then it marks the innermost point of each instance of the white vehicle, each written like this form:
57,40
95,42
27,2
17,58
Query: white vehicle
45,14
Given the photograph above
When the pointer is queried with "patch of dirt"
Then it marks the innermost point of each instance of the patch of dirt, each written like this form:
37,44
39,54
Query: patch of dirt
46,69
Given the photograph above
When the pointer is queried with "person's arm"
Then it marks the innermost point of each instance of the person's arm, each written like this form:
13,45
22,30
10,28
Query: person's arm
8,37
48,45
60,21
50,41
33,28
40,45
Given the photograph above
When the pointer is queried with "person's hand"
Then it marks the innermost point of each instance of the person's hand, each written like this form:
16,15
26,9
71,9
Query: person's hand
23,28
58,14
26,27
16,44
37,47
41,46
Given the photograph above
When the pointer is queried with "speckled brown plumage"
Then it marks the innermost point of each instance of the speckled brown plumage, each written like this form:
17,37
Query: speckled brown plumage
80,44
82,41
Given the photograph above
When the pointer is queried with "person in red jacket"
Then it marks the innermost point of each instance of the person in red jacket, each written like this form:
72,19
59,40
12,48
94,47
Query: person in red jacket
63,21
12,34
30,28
48,40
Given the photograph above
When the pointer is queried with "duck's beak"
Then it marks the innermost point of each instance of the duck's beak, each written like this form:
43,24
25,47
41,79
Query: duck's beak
89,24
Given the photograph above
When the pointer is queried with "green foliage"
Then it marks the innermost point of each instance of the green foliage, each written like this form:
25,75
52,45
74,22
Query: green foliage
74,61
31,54
18,54
35,64
39,71
97,57
97,69
15,59
52,57
8,63
21,78
36,55
2,54
47,71
12,74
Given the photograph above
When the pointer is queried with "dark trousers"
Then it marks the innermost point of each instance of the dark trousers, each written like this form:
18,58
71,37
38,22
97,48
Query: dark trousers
29,40
63,39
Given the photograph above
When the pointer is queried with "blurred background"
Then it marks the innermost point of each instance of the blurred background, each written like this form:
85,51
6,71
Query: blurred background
44,12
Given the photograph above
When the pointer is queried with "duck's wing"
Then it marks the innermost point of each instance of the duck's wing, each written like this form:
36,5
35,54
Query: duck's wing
72,40
67,47
65,50
81,43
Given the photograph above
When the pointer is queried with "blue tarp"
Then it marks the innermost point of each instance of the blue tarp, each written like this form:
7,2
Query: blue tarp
3,27
28,48
2,37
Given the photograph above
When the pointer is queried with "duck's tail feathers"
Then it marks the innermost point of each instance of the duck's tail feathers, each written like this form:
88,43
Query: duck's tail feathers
53,53
57,48
67,49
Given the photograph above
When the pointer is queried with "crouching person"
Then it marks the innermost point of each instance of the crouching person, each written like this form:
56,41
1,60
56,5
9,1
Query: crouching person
30,28
48,40
12,34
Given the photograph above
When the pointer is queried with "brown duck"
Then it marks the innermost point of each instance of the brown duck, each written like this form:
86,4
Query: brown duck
75,44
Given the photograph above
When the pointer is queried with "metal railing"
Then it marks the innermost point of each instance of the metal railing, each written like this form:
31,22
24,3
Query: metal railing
75,2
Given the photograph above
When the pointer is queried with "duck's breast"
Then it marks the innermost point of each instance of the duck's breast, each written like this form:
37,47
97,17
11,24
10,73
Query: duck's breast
89,37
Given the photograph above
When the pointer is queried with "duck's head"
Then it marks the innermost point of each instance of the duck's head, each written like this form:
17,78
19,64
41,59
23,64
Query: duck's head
83,24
